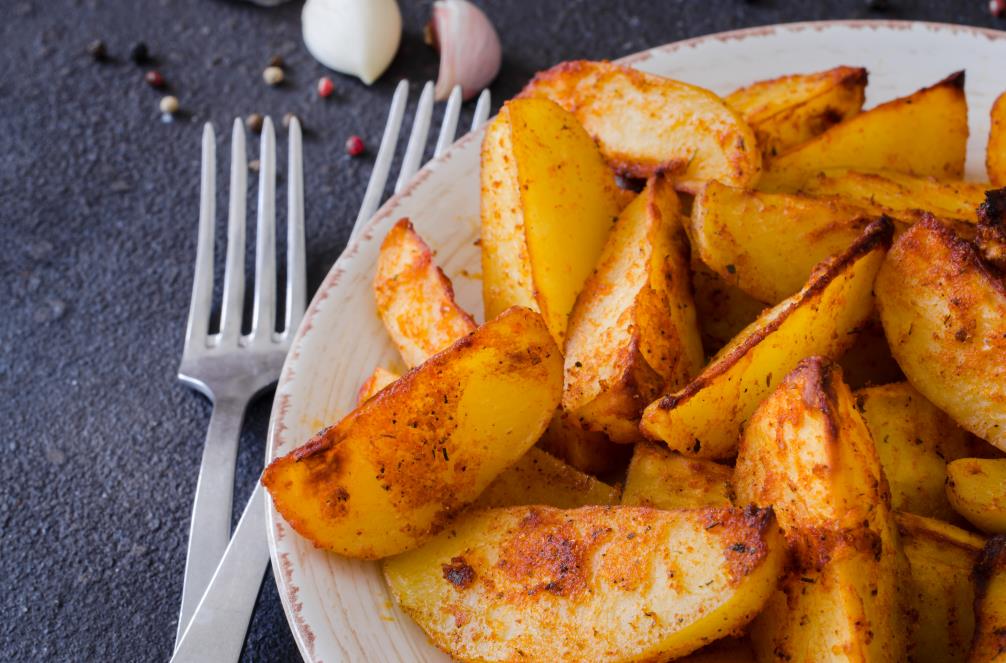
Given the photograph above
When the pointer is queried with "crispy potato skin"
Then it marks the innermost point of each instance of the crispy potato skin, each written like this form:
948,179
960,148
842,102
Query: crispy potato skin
989,645
663,479
940,557
995,152
976,488
541,478
646,124
923,134
591,584
944,315
378,380
395,470
414,298
587,451
915,440
633,330
766,244
704,419
807,452
789,110
724,310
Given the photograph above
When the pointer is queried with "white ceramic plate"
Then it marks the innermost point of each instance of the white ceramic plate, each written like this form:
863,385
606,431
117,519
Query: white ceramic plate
340,609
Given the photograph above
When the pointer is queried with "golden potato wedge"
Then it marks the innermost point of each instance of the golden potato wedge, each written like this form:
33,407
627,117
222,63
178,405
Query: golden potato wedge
705,418
396,469
944,315
940,557
976,488
869,361
723,310
539,478
548,201
989,645
790,110
995,152
665,480
766,244
807,452
646,124
591,584
915,441
633,331
925,134
587,451
415,300
378,380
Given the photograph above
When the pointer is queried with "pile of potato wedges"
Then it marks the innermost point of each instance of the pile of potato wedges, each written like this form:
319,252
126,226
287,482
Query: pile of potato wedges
740,394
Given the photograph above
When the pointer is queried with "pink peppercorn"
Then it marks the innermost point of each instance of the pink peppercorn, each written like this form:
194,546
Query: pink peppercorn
997,7
154,78
325,86
355,146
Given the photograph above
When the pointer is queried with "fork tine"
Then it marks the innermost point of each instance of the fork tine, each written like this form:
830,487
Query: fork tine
417,139
264,308
202,280
296,270
482,108
449,125
234,271
382,164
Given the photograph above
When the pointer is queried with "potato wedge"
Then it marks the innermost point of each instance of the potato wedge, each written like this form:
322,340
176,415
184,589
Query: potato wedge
727,650
915,441
549,205
790,110
591,584
587,451
989,645
646,124
995,152
415,300
944,315
923,134
704,419
940,557
665,480
633,331
723,310
395,470
766,244
869,361
378,380
976,488
807,452
542,479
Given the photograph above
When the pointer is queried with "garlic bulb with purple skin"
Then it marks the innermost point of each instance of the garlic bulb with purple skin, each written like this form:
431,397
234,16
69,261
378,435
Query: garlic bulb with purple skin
470,52
356,37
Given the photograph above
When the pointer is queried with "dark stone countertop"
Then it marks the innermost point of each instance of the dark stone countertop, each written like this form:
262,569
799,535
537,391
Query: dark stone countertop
99,205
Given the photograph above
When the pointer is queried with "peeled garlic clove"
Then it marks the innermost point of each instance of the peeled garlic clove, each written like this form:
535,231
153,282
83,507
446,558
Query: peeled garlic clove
470,52
356,37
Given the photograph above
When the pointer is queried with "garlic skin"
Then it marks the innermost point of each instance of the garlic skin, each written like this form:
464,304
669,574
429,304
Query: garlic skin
355,37
470,51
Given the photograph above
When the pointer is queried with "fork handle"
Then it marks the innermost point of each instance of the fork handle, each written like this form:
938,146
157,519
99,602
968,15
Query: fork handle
210,527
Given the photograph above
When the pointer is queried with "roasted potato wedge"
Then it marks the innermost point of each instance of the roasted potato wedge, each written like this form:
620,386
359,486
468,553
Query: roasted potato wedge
790,110
633,331
591,584
587,451
976,488
940,557
646,124
396,469
807,452
378,380
944,315
665,480
989,645
723,310
542,479
995,152
548,202
915,441
925,134
766,244
705,418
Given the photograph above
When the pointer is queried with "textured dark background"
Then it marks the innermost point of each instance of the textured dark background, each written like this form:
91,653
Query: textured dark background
98,203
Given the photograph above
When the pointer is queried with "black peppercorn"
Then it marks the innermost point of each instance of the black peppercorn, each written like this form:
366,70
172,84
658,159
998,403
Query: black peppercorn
97,50
878,5
139,53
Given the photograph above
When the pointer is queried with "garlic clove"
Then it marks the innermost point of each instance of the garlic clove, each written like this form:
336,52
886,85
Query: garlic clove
470,51
356,37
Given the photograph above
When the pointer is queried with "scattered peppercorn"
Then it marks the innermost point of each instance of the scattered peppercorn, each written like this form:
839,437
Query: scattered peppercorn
355,146
997,7
169,104
288,118
97,50
878,5
326,87
272,75
154,78
139,53
254,123
276,61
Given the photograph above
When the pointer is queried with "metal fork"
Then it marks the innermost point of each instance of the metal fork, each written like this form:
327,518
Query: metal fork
217,630
228,367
